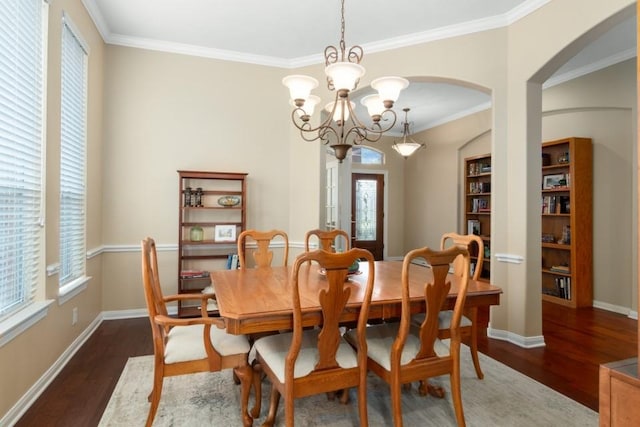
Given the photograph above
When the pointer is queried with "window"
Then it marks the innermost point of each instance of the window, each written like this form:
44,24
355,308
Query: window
22,59
73,144
366,156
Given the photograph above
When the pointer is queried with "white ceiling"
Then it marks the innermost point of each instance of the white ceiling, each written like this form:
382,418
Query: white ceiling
293,33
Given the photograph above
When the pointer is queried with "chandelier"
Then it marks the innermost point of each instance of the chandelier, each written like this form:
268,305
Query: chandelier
342,128
407,145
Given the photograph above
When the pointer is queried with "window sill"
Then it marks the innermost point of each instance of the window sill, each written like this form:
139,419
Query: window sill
72,289
19,322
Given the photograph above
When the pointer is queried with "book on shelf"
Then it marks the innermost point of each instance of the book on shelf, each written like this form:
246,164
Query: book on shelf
473,227
232,262
193,280
193,274
563,287
480,205
560,269
565,206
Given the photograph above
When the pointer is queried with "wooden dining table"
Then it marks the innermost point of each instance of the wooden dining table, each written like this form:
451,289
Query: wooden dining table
259,299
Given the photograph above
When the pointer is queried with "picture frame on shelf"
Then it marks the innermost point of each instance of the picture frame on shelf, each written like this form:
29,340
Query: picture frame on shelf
553,181
224,233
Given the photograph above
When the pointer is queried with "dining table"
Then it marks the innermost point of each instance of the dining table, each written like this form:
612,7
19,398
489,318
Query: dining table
257,300
254,301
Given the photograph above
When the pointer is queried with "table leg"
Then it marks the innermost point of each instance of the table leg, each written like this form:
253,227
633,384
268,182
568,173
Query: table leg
245,375
427,388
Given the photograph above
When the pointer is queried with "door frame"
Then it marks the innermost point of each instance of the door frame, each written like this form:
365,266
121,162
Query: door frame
346,201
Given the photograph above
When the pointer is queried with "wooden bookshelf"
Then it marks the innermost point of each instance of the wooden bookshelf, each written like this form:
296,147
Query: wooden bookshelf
567,222
208,202
477,210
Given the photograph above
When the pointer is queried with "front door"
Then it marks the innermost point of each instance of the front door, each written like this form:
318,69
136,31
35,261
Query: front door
367,216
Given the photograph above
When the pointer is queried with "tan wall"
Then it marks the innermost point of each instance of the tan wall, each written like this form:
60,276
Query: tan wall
26,358
164,112
601,106
433,187
167,112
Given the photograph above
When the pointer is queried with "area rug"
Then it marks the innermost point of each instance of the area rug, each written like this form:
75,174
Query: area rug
503,398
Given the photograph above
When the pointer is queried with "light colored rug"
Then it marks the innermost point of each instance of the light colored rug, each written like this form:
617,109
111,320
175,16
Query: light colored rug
503,398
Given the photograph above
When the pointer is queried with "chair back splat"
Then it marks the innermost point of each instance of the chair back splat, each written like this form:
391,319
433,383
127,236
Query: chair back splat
327,240
262,256
473,243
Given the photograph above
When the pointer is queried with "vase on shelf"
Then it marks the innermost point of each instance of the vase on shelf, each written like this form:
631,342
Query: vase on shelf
196,234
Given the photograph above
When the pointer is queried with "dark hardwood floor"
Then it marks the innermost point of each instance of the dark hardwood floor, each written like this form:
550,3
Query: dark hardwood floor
577,342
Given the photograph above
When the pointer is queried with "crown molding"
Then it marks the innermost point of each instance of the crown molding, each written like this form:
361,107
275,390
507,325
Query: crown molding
588,69
479,25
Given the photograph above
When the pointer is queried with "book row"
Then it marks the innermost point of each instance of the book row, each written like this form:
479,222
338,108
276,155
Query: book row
556,204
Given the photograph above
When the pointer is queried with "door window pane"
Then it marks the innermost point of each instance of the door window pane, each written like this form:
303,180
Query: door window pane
366,198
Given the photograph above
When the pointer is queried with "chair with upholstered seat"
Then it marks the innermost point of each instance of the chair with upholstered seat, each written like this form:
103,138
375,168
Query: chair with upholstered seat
468,323
311,361
190,345
401,352
327,240
262,256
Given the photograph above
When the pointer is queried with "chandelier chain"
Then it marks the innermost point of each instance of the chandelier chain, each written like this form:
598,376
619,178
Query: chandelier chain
343,46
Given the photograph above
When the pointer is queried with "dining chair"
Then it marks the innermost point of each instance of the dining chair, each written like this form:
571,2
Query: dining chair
188,345
262,256
468,323
307,361
401,352
327,240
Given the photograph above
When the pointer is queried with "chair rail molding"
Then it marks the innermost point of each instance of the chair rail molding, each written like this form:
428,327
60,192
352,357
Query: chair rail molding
510,258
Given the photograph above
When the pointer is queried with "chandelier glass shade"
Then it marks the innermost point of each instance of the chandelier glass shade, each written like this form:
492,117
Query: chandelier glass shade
407,145
342,128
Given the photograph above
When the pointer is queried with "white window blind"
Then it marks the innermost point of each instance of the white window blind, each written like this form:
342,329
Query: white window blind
22,56
73,155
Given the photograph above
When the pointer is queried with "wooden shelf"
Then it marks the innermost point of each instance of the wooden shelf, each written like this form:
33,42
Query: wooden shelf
477,187
201,254
577,200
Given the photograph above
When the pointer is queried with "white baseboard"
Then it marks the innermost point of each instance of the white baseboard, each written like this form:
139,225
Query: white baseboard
519,340
25,402
616,309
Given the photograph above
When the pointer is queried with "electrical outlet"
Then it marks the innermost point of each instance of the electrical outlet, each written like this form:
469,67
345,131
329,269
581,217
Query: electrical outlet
74,318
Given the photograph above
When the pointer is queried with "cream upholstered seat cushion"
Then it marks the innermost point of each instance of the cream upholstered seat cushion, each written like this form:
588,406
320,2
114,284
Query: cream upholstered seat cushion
185,343
274,349
444,319
380,339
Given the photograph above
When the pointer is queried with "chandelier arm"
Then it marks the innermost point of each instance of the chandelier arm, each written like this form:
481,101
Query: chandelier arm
305,126
364,134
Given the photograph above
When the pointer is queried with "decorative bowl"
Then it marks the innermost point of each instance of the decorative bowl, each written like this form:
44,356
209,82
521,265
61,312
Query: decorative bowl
353,268
228,201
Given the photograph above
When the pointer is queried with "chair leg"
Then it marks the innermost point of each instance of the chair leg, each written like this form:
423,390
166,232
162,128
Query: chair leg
396,400
154,396
289,406
344,397
362,400
457,398
273,407
474,348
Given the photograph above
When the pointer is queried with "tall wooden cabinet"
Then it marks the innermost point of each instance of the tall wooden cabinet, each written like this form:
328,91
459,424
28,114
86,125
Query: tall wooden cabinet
567,222
211,214
477,218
